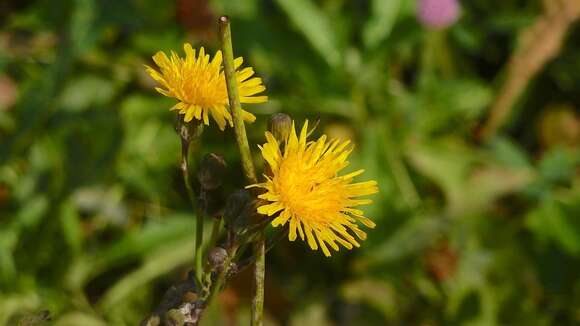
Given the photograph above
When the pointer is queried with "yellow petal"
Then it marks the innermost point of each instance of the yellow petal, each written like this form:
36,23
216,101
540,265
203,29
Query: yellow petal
253,99
238,62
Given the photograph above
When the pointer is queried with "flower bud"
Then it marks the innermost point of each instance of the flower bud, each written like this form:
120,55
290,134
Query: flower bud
280,125
216,257
236,205
211,171
188,131
438,14
241,216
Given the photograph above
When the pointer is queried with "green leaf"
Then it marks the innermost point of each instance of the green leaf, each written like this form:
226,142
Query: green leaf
8,240
472,278
376,293
31,214
79,318
15,303
132,245
82,93
71,227
508,152
470,179
161,262
379,26
452,105
368,156
559,165
314,314
82,26
556,220
468,96
245,9
415,235
150,147
446,162
315,26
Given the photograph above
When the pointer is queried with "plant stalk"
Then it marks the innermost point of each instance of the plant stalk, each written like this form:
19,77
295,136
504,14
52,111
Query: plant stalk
215,232
234,99
247,163
185,145
259,277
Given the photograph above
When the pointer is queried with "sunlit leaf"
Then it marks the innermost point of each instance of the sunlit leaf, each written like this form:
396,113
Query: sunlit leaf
556,220
82,29
71,227
79,318
378,294
156,264
85,92
132,245
379,26
470,179
315,27
412,237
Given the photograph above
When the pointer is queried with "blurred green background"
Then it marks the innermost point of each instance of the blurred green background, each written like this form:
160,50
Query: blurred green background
94,220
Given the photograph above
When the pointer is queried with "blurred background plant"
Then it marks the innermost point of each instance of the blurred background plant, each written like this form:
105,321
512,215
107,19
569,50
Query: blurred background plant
479,211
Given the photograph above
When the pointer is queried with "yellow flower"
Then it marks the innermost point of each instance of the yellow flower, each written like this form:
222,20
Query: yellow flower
304,189
200,87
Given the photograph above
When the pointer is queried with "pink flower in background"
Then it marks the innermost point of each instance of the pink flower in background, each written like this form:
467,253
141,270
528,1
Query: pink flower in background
437,14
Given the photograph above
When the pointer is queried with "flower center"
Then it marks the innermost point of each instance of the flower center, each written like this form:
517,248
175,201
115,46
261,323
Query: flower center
205,88
309,191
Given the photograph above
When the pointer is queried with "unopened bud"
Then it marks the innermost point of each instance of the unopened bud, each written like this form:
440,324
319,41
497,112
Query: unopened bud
241,216
188,131
217,257
280,125
236,205
211,171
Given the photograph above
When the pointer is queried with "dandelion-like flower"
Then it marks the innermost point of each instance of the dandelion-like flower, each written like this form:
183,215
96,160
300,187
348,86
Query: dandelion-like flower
305,190
200,86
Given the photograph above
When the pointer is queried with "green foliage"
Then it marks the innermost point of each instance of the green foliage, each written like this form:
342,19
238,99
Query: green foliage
94,219
314,26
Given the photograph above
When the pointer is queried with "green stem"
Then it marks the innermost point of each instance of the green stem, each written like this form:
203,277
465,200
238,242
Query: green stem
259,276
444,55
247,163
234,99
215,232
198,246
428,59
185,145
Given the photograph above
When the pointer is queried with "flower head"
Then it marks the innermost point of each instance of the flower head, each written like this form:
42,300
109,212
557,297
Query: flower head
200,87
438,14
305,190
